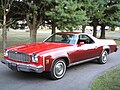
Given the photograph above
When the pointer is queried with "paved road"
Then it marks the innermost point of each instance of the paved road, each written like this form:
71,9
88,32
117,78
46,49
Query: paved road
116,35
78,77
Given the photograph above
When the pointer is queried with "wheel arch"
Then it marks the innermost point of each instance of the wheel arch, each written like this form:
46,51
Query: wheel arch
67,61
56,75
106,48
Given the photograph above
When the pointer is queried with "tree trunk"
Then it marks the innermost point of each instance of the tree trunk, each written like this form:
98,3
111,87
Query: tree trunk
53,28
33,34
33,29
95,31
95,24
4,31
83,28
102,36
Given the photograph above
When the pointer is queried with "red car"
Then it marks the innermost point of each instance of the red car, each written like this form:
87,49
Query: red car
58,52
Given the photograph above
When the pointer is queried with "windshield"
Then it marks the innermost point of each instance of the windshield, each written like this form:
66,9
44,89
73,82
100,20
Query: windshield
62,38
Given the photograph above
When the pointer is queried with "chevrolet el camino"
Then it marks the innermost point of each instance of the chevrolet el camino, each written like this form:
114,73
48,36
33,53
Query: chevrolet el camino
58,52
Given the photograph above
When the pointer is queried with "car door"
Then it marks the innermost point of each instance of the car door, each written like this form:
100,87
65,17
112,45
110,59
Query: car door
85,51
89,49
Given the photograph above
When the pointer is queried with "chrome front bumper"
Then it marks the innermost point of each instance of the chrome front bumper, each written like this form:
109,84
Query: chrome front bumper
22,67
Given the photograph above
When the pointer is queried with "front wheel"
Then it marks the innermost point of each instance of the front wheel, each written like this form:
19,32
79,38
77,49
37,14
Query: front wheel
58,69
103,57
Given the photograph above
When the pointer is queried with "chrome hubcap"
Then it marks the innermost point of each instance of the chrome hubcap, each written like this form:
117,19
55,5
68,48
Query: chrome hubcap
59,69
104,57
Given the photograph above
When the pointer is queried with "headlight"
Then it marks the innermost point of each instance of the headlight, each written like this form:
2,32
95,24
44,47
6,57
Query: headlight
5,52
35,58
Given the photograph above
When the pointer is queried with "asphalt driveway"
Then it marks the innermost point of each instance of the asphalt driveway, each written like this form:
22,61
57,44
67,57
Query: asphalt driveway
116,35
78,77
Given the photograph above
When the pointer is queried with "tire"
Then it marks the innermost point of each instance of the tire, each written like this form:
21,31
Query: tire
58,69
103,57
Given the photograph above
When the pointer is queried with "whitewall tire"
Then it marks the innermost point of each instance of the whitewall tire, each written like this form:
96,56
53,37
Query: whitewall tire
103,57
58,69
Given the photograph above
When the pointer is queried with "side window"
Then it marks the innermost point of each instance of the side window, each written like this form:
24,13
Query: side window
86,39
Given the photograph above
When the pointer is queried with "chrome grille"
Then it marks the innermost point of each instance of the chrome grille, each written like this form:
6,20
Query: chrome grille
19,56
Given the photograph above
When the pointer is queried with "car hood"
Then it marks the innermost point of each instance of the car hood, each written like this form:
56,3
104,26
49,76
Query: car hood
38,47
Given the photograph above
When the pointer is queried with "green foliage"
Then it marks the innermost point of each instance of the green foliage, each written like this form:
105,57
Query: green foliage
104,11
110,80
67,14
108,12
34,13
33,7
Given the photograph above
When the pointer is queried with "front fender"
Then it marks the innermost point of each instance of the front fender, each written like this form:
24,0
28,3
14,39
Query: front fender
49,59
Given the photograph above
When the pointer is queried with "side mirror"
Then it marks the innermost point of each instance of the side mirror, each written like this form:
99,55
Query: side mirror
81,43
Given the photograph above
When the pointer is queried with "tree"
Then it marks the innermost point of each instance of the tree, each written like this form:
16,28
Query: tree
103,13
91,8
33,12
34,16
67,14
111,14
5,6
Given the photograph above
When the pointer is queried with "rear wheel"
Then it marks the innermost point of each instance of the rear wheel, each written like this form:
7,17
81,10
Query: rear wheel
103,57
58,69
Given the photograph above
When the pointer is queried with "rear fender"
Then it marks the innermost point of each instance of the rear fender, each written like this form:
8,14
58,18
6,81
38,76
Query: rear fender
107,48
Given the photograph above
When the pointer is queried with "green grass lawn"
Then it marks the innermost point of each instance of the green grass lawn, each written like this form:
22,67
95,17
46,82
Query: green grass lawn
1,55
118,42
109,80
